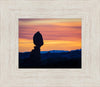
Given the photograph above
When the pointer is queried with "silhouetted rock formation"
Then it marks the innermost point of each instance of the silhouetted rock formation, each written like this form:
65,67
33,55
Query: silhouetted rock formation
37,39
52,59
34,60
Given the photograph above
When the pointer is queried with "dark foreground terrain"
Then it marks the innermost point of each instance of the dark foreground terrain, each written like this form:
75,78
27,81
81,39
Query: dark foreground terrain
55,59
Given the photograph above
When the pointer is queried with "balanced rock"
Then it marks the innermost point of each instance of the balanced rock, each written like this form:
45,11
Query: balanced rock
37,39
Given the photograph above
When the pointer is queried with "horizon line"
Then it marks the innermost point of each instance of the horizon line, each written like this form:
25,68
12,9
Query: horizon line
52,50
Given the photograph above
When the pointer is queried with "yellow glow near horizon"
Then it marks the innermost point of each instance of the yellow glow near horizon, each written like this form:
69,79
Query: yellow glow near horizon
49,45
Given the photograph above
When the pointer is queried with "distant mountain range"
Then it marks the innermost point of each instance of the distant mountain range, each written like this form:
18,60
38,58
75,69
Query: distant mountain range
23,55
54,51
57,58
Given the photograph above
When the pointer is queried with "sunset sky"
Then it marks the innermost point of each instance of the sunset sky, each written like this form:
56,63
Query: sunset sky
58,34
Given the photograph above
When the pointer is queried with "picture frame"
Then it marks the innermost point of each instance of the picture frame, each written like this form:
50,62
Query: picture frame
12,76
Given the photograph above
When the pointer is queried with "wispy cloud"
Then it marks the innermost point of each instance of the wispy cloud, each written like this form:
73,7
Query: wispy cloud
51,29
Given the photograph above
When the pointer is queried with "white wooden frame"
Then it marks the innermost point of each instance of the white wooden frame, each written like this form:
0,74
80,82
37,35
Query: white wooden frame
12,76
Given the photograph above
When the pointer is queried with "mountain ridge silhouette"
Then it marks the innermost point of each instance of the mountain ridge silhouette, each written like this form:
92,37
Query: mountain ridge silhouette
54,51
66,59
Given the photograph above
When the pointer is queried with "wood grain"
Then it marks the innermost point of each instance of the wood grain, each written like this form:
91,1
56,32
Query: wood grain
12,76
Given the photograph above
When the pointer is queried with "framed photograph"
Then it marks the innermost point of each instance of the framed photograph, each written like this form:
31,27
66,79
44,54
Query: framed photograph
49,43
55,43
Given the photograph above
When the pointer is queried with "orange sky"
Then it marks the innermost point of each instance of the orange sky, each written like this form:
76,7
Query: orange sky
58,34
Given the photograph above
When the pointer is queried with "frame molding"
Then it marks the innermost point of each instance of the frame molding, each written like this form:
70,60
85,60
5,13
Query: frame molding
12,76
